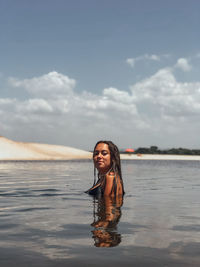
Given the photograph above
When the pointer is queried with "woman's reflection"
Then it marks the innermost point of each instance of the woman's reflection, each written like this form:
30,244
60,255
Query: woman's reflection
107,213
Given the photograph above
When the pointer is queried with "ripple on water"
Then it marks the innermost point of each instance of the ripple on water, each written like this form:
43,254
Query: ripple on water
43,210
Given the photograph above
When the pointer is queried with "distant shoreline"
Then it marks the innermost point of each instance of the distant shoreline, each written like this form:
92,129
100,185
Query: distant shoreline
21,151
122,156
158,157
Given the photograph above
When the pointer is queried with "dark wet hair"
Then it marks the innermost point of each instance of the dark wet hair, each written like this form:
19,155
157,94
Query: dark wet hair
115,161
112,239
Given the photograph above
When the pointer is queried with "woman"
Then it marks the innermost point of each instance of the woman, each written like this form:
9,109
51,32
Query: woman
106,160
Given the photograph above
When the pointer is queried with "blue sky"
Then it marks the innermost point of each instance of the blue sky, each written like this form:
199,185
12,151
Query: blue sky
73,72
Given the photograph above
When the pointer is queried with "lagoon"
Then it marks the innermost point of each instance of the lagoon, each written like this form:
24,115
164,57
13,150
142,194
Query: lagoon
46,219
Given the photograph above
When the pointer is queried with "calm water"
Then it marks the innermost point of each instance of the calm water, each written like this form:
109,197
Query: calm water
46,219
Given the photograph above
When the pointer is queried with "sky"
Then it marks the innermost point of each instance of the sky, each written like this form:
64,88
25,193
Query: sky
73,72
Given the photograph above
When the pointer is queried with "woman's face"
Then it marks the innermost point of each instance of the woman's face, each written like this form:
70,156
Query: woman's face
102,158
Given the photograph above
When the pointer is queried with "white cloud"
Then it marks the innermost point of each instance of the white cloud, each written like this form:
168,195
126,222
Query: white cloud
6,101
156,106
171,98
49,85
183,64
133,61
35,105
117,95
152,57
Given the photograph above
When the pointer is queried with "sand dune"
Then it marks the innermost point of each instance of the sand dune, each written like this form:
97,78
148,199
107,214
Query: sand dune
11,150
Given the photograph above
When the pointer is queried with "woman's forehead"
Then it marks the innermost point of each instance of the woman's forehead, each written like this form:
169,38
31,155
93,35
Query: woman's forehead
102,146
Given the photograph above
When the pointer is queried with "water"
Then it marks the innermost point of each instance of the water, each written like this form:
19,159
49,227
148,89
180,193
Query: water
46,219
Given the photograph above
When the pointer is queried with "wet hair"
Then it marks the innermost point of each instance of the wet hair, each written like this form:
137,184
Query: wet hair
115,162
112,239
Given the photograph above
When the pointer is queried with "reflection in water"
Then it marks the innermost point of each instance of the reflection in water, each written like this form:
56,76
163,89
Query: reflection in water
107,213
45,216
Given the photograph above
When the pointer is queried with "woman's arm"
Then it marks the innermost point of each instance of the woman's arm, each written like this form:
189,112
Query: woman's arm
109,185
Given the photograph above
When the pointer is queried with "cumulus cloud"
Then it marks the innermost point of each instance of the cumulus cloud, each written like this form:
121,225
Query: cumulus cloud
35,105
156,106
183,64
49,85
171,98
133,61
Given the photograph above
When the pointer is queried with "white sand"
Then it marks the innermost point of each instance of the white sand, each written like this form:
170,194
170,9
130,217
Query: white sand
157,157
11,150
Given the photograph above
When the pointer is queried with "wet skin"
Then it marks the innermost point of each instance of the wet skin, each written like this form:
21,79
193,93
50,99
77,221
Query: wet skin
102,161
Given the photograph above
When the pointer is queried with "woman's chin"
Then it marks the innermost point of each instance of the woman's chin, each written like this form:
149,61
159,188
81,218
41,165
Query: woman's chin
100,166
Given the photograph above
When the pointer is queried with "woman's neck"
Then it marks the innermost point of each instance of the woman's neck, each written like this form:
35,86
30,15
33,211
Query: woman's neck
105,172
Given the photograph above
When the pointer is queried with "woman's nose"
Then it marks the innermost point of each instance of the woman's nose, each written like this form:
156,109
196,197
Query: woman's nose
99,155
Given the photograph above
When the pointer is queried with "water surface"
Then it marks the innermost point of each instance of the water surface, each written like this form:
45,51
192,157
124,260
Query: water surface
46,219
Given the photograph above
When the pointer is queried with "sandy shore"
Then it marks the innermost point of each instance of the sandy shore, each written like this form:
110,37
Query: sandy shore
11,150
158,157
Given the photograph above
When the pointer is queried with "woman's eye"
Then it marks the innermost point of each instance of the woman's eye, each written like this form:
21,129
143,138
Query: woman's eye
103,153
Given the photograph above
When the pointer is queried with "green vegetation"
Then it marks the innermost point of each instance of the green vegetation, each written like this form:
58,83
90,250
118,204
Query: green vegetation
171,151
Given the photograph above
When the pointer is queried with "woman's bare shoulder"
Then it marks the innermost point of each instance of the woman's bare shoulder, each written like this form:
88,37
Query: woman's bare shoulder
111,174
110,177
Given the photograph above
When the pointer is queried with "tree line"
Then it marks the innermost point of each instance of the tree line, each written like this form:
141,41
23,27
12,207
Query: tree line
171,151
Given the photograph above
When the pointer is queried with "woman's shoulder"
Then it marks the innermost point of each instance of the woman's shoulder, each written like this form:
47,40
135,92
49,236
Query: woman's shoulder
110,175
